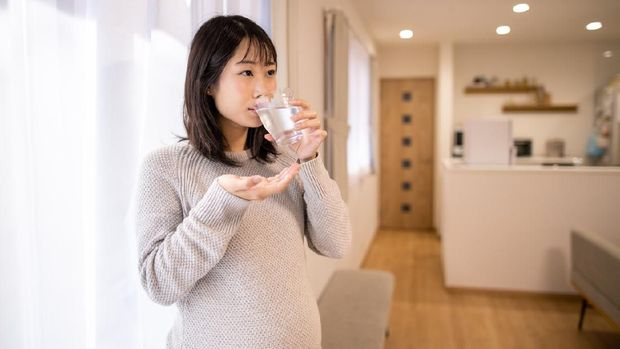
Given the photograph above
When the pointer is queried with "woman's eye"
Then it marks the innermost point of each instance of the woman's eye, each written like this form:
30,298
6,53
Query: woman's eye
247,73
271,72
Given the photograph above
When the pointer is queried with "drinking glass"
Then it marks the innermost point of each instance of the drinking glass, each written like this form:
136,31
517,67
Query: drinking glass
276,114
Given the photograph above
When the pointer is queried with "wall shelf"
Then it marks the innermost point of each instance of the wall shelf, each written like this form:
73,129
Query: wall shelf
501,89
525,108
542,104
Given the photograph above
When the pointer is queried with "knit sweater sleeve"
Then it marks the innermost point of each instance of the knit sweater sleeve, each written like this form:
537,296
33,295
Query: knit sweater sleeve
327,221
175,251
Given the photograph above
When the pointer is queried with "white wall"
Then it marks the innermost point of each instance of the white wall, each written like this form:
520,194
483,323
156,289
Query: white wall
306,77
408,61
443,125
571,72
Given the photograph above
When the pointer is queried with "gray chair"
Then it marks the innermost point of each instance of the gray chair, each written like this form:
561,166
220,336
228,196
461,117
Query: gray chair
595,273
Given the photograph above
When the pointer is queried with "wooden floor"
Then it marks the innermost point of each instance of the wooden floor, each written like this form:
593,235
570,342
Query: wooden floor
427,315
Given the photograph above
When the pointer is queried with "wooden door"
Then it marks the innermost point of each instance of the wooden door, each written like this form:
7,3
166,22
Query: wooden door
407,134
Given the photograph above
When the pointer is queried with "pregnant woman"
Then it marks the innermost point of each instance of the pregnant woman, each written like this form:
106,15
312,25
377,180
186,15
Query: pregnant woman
223,216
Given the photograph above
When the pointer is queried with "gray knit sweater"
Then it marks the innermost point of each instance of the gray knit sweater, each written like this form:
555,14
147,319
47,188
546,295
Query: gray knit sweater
235,268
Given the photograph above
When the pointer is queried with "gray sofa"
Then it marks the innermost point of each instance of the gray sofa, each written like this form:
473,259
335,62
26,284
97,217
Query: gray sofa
595,273
355,309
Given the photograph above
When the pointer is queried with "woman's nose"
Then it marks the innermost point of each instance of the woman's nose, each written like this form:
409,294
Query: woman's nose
264,87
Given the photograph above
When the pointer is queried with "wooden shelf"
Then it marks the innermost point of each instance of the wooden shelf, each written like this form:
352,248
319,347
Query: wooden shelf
501,89
523,108
528,108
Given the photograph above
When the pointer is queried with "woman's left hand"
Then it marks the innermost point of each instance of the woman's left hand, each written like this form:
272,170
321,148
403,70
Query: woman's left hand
308,122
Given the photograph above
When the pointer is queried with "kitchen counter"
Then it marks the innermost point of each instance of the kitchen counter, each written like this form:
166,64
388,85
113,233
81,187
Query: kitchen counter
533,164
508,226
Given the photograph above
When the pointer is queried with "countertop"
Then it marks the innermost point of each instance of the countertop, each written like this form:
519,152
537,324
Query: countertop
533,164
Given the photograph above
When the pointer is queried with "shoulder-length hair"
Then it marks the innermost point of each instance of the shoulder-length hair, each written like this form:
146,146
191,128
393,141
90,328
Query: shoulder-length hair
212,47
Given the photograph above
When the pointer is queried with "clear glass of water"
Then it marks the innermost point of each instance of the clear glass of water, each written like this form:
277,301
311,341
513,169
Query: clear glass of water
276,113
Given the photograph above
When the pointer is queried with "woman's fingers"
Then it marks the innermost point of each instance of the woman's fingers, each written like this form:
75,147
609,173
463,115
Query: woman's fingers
314,139
300,103
258,187
307,119
285,178
269,137
252,181
311,124
305,115
279,175
278,184
290,171
319,134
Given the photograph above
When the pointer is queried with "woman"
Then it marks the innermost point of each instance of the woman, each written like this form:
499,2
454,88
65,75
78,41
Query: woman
222,215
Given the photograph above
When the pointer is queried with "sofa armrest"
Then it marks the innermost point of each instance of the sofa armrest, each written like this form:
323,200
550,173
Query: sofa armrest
595,271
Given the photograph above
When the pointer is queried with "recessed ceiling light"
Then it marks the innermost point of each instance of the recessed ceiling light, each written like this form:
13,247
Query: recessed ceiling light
502,30
608,54
520,8
406,34
594,26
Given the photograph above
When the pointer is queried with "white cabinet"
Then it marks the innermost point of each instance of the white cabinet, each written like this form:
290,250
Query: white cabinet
508,227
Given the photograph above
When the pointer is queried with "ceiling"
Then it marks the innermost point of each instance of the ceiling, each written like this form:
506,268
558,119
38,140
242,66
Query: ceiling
474,21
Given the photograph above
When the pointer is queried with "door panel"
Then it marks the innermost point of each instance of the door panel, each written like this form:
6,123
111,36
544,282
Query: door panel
407,141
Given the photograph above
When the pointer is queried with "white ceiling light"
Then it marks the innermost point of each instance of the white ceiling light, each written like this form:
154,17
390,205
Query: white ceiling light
502,30
406,34
594,26
520,8
608,54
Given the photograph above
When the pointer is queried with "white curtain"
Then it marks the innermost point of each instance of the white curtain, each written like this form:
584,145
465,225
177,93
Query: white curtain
86,89
359,142
348,102
337,97
257,10
72,108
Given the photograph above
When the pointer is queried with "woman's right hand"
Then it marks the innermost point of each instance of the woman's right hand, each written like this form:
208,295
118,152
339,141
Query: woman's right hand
258,187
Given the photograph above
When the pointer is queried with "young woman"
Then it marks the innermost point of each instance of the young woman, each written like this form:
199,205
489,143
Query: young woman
222,215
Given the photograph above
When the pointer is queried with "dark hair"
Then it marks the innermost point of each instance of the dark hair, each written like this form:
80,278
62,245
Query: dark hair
212,47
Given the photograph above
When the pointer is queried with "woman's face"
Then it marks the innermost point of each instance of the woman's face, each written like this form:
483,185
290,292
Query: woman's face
241,83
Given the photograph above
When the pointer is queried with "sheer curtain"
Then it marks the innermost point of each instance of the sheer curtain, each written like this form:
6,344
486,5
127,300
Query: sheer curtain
86,89
348,103
337,98
359,142
72,90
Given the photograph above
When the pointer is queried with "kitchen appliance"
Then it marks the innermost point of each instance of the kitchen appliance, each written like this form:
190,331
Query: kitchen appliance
457,144
523,147
488,141
554,147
